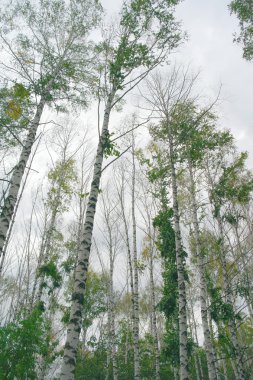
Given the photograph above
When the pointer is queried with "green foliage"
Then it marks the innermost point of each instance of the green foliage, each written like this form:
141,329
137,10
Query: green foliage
50,271
95,300
166,238
149,31
110,148
235,184
61,178
91,361
220,311
52,53
244,10
22,342
15,111
193,131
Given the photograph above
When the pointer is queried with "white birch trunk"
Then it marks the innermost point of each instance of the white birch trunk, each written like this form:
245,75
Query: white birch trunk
136,280
130,266
153,313
184,375
203,292
239,371
17,175
111,313
249,297
74,326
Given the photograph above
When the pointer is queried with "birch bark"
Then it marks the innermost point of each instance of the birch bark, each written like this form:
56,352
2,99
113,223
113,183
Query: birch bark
136,277
153,310
17,175
74,326
184,375
203,292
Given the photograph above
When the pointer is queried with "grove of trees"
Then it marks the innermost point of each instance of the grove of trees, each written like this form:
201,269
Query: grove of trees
128,255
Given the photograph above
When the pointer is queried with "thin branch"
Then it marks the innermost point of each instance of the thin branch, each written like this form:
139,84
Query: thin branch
121,154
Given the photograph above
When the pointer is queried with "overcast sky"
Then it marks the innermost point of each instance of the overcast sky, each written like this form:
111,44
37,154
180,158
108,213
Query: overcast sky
210,48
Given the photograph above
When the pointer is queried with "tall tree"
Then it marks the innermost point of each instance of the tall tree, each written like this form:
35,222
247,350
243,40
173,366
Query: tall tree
230,186
147,33
195,134
163,97
45,46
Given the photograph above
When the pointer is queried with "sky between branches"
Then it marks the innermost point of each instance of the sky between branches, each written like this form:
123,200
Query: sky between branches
210,48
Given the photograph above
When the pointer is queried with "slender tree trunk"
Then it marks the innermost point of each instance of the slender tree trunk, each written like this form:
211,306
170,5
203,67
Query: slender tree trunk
45,254
74,326
203,292
239,371
249,297
184,375
111,312
194,334
136,280
130,266
47,242
153,311
215,354
195,354
9,233
17,175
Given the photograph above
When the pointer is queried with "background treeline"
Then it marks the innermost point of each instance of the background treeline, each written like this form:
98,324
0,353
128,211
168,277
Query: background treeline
134,256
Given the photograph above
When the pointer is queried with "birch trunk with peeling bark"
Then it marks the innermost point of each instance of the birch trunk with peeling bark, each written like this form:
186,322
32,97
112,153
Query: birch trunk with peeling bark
203,292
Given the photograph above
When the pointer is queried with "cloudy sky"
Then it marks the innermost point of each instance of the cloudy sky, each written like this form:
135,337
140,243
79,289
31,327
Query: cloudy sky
210,48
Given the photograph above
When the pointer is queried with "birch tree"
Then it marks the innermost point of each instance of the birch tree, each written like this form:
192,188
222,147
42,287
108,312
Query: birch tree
196,135
45,45
222,192
147,32
162,99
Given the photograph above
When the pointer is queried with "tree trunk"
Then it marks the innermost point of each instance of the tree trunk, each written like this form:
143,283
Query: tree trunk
249,297
17,175
153,311
203,292
74,326
129,263
136,280
111,312
180,272
239,371
194,334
